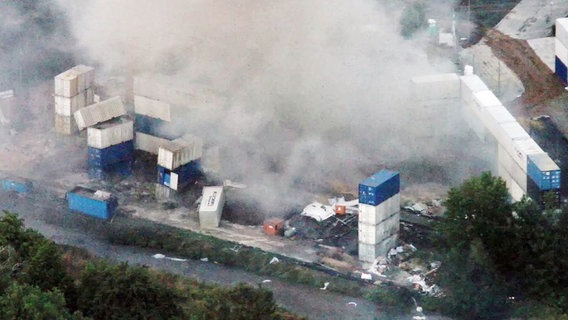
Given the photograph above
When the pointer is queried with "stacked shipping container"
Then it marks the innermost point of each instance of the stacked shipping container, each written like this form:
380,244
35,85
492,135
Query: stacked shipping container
379,214
73,91
561,50
179,162
110,138
515,147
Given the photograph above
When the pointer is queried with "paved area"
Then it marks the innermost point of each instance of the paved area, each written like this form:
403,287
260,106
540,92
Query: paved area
533,19
544,49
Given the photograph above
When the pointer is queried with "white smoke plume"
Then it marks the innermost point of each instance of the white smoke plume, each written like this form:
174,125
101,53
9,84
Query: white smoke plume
311,91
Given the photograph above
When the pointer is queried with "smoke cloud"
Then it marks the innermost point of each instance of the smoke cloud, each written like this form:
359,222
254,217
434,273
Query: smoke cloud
309,92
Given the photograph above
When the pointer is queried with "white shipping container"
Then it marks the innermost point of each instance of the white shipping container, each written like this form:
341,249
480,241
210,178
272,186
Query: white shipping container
369,252
372,215
148,143
470,85
66,106
99,112
180,151
493,118
474,123
561,52
436,87
508,133
211,207
486,99
514,170
110,133
516,191
65,125
73,81
522,149
562,31
375,233
152,108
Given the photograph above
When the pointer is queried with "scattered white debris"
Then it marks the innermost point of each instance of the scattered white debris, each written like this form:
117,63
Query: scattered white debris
274,260
366,276
352,303
325,285
318,211
176,259
266,281
158,256
204,259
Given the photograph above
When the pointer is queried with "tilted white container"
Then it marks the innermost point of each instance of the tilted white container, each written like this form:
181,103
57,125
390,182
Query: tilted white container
211,207
110,133
375,233
470,85
561,51
67,106
148,143
180,151
152,108
99,112
372,215
522,149
436,87
562,31
74,81
370,252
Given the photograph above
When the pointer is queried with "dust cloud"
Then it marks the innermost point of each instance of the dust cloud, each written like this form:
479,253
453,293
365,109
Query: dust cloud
307,92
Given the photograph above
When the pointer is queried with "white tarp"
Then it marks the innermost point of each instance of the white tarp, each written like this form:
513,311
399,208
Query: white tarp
318,211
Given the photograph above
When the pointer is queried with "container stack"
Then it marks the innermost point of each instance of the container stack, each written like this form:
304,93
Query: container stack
110,137
521,162
561,50
179,162
157,110
379,214
73,91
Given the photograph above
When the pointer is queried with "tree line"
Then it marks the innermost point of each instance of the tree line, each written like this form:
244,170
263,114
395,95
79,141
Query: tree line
39,281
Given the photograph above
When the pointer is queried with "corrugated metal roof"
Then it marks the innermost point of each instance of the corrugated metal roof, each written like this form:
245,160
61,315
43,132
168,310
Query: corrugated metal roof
99,112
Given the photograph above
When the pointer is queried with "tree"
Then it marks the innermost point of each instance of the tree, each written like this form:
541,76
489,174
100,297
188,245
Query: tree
478,217
413,18
22,301
123,292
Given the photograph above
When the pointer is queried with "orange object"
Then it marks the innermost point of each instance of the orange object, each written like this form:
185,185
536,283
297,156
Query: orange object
273,226
340,209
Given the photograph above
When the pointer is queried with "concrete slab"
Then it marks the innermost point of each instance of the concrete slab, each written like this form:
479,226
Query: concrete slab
532,19
544,49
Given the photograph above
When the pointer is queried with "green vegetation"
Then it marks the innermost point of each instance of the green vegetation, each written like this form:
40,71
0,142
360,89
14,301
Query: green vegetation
499,257
413,18
38,280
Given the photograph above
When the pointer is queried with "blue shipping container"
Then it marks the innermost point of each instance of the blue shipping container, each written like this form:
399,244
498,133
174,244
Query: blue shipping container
379,187
184,175
543,171
95,203
17,184
560,70
105,158
120,169
156,127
